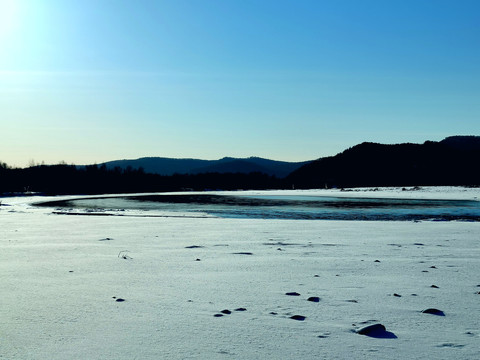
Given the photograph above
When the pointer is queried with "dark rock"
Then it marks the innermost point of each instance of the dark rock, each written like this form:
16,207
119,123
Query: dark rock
292,294
397,295
314,299
298,317
120,300
226,311
218,315
243,253
433,312
241,309
433,267
377,261
273,313
193,247
434,286
371,328
376,331
197,260
316,275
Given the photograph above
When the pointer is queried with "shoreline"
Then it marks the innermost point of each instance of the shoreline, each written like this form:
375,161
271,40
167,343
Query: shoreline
371,204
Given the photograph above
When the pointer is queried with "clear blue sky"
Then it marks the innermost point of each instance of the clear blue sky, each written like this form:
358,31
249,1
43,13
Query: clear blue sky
95,80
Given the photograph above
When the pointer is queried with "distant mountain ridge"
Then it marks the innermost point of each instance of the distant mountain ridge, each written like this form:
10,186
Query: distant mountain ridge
170,166
462,142
453,161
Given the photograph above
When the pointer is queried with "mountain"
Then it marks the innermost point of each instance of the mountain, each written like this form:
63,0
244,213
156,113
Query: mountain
158,165
452,161
169,166
462,142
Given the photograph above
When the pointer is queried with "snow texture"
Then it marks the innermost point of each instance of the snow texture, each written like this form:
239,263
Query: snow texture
189,293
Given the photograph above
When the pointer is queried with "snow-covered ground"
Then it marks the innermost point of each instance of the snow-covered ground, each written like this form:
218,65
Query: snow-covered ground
61,277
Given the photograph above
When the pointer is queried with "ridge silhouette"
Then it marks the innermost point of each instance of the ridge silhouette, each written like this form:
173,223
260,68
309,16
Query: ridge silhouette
453,161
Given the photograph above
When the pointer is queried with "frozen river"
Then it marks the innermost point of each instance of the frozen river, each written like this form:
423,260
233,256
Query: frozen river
288,206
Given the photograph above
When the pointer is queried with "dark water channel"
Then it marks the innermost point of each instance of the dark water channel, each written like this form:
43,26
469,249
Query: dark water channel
288,207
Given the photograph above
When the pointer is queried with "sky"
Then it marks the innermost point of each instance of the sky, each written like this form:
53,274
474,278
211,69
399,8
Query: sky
96,80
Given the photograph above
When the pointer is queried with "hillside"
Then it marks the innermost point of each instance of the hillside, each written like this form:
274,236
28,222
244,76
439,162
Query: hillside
452,161
169,166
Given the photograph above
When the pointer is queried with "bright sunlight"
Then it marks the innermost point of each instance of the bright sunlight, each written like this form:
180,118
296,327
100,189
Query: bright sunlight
8,17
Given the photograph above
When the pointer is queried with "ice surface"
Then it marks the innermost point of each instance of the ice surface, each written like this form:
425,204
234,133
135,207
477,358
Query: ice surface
61,280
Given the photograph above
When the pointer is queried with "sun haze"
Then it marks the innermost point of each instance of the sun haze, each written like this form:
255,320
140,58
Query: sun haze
8,17
92,81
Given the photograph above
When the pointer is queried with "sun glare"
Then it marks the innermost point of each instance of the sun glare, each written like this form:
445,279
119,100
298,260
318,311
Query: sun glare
8,18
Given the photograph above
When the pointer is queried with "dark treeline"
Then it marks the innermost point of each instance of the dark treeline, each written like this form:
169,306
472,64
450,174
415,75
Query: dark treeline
93,179
454,161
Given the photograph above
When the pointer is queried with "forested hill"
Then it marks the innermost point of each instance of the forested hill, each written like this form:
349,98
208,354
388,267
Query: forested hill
452,161
170,166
